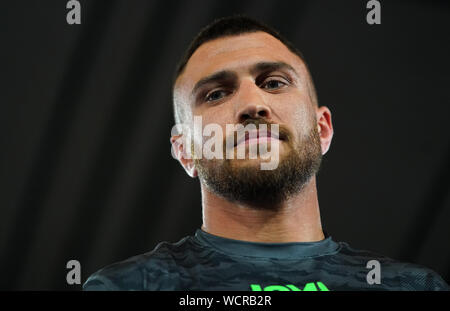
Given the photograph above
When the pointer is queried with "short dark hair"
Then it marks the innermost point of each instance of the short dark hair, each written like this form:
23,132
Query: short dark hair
232,26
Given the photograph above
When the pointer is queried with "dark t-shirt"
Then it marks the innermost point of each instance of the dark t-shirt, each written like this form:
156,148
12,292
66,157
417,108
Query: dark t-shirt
208,262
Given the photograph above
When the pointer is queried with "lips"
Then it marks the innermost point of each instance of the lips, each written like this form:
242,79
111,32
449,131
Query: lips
257,135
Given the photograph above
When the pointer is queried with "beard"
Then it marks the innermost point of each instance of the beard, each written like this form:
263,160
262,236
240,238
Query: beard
243,182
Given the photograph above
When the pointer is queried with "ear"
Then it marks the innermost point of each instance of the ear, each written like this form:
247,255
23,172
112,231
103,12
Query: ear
325,127
181,153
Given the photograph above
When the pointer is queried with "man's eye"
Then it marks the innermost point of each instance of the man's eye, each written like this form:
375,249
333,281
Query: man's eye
216,95
273,84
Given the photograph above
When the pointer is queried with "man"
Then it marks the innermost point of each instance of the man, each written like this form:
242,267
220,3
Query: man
261,227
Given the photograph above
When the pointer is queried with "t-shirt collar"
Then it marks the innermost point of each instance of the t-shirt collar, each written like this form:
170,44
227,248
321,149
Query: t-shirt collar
290,250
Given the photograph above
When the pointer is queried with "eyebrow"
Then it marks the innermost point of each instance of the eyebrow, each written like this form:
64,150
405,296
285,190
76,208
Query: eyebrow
223,75
271,66
228,75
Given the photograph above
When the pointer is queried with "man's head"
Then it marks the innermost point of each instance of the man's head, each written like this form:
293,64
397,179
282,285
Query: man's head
239,71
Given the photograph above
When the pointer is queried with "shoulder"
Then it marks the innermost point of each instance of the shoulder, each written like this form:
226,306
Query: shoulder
139,272
394,273
418,277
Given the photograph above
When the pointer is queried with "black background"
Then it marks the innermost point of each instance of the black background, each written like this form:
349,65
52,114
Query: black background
86,113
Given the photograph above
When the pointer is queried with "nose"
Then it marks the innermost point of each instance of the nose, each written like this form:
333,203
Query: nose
251,103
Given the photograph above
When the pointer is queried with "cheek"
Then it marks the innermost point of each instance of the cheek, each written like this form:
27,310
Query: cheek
217,114
215,121
296,112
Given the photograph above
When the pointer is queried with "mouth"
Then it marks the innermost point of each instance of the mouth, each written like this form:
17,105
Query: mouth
258,137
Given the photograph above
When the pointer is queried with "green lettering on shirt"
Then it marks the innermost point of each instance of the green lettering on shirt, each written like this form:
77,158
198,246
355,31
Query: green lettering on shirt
308,287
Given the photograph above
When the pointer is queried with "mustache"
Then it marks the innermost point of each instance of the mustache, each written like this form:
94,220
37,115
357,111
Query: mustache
284,134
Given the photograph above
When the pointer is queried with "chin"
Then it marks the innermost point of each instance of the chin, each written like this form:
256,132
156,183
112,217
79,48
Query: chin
246,162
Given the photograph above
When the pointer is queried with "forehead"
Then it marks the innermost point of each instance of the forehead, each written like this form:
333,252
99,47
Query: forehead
236,53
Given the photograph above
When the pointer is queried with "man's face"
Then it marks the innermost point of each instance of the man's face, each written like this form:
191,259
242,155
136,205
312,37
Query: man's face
253,78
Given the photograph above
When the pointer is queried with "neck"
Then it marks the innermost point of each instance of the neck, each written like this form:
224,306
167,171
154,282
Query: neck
296,220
